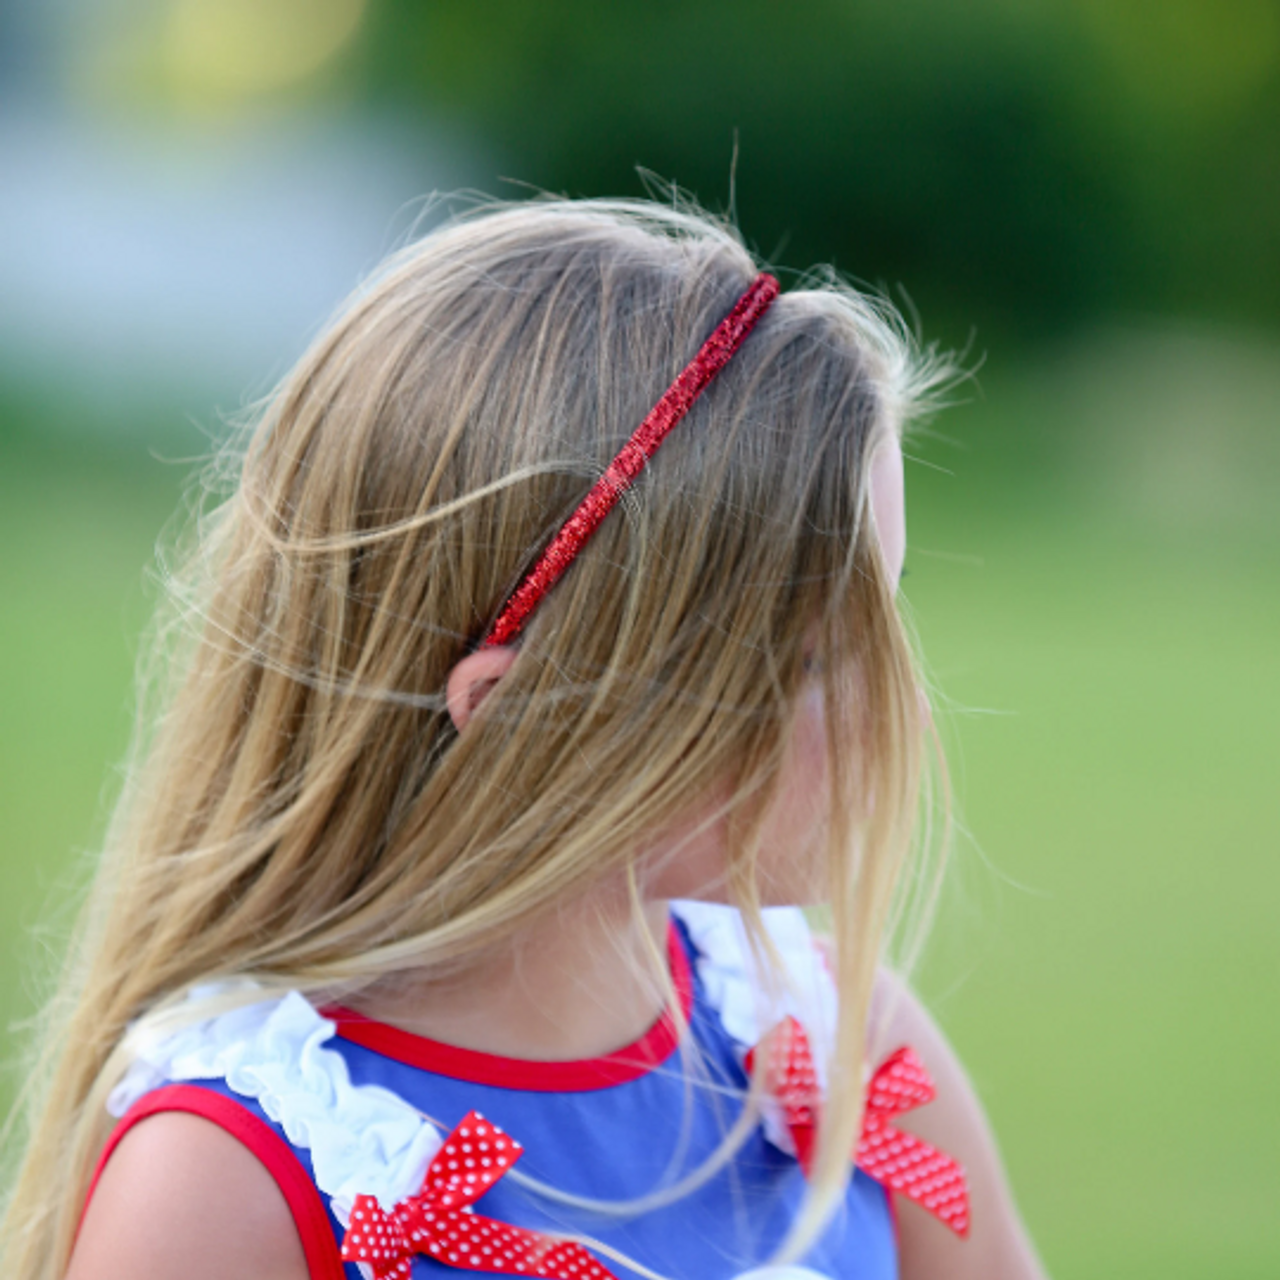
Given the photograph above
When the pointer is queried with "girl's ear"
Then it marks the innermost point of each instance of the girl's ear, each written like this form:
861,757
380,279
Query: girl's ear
471,680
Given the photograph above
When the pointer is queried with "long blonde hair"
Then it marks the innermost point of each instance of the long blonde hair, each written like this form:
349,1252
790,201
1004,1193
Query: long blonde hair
300,810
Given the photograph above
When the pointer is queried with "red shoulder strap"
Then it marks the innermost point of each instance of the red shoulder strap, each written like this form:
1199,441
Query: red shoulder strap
309,1214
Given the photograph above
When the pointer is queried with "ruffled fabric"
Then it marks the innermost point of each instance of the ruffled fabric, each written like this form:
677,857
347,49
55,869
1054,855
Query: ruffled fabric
748,1006
363,1140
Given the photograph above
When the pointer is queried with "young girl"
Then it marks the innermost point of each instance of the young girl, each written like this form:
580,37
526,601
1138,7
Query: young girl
544,662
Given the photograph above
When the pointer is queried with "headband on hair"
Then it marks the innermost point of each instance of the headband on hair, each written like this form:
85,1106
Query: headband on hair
621,473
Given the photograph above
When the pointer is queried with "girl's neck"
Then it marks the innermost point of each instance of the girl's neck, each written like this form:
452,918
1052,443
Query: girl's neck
578,985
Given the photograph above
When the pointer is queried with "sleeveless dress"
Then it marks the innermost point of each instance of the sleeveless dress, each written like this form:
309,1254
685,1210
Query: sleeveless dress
337,1106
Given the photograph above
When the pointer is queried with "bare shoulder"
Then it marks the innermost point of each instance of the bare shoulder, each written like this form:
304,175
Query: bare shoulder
182,1198
998,1247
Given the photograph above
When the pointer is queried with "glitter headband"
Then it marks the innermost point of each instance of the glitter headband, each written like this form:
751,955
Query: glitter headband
631,459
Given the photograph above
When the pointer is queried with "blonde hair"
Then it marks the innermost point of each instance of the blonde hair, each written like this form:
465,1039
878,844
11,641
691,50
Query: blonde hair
300,810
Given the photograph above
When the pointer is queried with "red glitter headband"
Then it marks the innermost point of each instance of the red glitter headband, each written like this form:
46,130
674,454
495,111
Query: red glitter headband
632,457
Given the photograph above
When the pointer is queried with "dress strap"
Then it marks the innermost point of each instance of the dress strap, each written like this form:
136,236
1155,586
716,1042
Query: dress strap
319,1246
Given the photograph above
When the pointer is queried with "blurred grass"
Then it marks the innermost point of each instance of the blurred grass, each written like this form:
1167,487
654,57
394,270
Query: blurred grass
1093,573
1095,589
79,519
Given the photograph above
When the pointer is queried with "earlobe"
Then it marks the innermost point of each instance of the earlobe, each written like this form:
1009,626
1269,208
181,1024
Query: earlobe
473,678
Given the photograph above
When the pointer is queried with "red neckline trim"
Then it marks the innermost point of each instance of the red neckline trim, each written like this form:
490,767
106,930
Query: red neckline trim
651,1050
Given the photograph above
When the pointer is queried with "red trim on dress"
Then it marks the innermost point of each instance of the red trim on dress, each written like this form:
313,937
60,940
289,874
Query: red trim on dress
277,1157
651,1050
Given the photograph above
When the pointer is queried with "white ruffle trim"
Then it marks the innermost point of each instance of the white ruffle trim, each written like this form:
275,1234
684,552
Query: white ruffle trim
363,1140
738,992
367,1140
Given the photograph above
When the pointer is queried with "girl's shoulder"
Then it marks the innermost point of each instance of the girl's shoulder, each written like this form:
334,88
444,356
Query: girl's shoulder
183,1197
249,1119
954,1122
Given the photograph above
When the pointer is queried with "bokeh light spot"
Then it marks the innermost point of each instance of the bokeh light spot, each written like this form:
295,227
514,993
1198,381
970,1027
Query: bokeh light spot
223,51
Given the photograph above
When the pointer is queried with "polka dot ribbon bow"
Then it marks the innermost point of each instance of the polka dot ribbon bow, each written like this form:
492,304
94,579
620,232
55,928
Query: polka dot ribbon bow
440,1222
900,1161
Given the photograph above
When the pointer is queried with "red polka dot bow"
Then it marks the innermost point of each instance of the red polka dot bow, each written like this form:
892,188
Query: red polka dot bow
440,1222
900,1161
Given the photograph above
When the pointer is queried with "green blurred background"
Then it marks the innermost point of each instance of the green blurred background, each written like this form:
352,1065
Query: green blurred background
1084,194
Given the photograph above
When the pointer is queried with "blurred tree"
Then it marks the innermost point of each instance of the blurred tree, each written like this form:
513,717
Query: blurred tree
1025,163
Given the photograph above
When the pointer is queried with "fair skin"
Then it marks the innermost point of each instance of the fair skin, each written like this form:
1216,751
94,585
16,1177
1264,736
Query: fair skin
163,1204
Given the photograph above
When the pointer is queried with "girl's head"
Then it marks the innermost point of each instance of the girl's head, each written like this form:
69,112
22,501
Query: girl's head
305,810
390,498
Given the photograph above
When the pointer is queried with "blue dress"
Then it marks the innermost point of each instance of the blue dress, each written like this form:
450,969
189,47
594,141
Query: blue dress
598,1133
